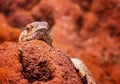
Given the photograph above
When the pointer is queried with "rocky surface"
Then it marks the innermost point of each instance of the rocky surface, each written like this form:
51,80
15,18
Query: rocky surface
86,29
35,62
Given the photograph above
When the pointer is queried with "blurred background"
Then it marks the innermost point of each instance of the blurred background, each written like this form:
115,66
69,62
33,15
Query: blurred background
86,29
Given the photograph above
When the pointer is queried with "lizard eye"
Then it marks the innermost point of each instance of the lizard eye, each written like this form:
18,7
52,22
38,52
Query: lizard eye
29,28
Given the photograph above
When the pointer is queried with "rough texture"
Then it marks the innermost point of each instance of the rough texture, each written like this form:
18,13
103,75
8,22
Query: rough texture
89,27
35,62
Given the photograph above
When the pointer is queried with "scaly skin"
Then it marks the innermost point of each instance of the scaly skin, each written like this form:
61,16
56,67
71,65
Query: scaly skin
39,31
36,30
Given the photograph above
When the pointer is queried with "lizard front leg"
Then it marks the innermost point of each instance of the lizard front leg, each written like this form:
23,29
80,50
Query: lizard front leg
83,71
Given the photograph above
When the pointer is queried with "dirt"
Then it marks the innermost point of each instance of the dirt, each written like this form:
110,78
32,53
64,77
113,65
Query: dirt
35,62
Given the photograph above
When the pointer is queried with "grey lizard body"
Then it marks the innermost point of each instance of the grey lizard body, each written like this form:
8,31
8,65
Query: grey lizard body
39,31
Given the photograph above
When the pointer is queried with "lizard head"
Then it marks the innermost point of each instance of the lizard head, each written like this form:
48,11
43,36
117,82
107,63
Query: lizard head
36,31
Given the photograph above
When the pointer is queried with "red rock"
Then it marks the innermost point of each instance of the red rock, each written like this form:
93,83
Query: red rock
35,62
7,33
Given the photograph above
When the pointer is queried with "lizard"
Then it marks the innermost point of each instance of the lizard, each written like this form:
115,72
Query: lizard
40,31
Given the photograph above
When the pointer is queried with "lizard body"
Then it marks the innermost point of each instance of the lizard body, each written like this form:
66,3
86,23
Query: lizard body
39,31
